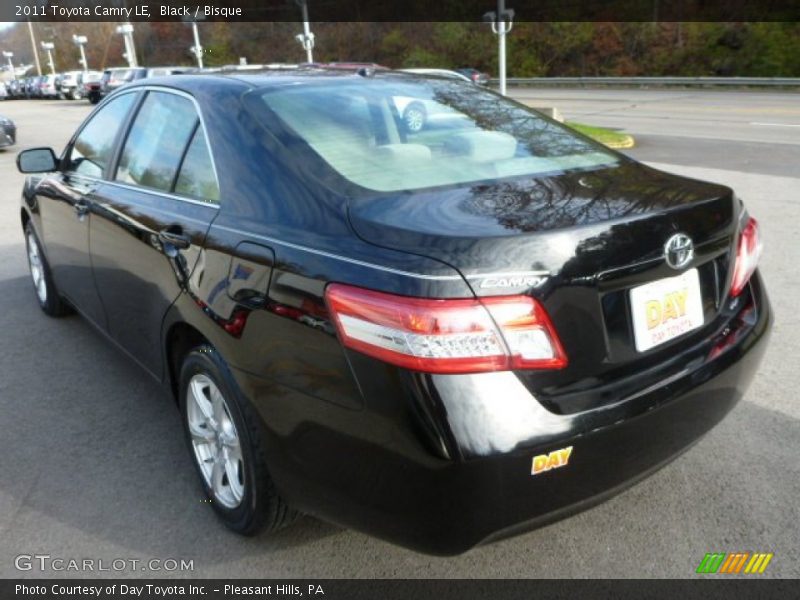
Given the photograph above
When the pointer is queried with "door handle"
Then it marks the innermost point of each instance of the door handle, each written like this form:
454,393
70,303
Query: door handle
174,238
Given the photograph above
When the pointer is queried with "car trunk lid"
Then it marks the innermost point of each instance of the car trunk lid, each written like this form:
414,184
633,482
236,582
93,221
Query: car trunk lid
578,242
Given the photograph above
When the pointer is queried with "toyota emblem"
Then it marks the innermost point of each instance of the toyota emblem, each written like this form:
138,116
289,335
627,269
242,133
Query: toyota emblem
679,250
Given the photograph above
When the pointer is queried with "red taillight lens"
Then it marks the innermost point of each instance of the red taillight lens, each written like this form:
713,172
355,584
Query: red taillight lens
446,336
748,252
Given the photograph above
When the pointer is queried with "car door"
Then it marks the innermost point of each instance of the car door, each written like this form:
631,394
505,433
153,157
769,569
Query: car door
66,200
151,220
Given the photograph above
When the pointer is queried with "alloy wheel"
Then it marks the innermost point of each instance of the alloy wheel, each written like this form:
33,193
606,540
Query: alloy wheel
215,441
415,119
37,268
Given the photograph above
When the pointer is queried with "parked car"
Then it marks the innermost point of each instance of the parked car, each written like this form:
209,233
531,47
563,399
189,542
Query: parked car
14,88
418,113
477,77
69,85
88,81
164,71
47,87
33,88
113,79
343,66
439,73
8,132
29,87
57,83
26,88
434,340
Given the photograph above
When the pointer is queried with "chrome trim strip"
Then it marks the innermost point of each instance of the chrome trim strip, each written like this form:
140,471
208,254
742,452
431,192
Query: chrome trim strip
343,258
138,188
510,274
700,258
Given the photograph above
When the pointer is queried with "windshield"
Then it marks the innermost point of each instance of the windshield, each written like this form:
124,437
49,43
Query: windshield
393,136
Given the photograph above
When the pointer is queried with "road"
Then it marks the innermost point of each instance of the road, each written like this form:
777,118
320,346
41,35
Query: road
754,132
94,465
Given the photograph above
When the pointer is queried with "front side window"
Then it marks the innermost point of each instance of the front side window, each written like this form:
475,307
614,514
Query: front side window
390,136
157,140
94,146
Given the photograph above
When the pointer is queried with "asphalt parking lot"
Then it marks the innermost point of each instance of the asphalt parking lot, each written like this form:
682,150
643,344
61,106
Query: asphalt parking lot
94,464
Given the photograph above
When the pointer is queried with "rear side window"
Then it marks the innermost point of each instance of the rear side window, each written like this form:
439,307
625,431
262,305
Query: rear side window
157,140
196,178
92,150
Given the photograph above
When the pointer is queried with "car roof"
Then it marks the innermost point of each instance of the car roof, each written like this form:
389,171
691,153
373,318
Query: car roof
278,77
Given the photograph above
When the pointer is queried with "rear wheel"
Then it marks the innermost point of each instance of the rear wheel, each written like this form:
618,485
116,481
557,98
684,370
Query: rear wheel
46,292
225,436
94,97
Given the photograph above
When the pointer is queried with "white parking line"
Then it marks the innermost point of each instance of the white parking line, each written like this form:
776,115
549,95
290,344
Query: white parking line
777,124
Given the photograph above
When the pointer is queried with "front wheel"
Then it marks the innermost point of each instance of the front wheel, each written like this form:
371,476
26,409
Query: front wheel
46,292
226,440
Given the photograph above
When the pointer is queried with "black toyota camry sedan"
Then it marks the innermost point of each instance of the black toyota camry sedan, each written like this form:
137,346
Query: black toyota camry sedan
439,336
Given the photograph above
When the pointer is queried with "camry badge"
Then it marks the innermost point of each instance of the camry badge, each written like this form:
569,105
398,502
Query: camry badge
679,250
554,460
528,279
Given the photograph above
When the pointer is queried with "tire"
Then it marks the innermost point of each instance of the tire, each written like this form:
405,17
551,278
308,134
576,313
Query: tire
94,98
248,502
414,117
75,94
50,301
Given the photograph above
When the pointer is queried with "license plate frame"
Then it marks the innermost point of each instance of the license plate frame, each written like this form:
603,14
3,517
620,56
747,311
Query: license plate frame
666,309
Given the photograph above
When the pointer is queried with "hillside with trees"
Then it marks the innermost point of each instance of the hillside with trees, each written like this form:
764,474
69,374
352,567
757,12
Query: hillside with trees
535,49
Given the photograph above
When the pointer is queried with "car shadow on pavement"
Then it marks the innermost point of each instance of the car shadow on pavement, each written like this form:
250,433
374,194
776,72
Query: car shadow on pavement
95,465
96,445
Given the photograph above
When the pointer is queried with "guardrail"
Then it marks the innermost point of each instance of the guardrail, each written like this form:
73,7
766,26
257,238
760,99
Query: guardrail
656,81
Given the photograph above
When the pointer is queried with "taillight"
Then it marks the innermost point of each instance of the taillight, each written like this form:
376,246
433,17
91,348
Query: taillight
748,252
446,336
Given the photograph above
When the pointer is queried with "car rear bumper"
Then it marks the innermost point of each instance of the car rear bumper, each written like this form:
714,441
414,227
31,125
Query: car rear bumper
427,466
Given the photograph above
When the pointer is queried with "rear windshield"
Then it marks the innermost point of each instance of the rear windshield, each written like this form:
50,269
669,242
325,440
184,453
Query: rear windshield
393,136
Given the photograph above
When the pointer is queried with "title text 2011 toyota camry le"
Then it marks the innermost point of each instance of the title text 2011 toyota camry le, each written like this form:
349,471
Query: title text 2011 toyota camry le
438,336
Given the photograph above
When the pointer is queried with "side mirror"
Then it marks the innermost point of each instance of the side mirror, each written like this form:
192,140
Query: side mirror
37,160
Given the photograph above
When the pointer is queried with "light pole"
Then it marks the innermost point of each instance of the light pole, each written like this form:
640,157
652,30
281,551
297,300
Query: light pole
306,38
126,30
35,52
81,41
197,49
9,56
502,22
48,47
